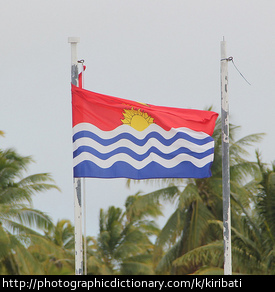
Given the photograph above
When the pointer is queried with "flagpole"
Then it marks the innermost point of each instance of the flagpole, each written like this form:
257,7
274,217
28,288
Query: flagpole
77,181
225,161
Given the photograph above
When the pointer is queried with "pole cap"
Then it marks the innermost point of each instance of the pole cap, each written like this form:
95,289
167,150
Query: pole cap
73,40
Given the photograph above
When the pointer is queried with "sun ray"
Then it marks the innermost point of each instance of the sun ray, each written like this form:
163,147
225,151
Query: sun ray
137,119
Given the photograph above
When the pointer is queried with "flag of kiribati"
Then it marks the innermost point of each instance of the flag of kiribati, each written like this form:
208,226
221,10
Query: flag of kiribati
114,137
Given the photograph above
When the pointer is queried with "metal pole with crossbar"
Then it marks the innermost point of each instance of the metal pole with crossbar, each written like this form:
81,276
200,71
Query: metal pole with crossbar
225,161
77,181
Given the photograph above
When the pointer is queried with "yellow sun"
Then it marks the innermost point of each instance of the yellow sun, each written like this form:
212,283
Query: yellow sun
137,119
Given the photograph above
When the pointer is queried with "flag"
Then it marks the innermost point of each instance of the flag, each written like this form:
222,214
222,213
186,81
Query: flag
115,137
80,76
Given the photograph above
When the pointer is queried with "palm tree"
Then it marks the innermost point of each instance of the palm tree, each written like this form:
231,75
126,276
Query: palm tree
262,231
56,254
62,234
192,235
254,237
17,217
124,245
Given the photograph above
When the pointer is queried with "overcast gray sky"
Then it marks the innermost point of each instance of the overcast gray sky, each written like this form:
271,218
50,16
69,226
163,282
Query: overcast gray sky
163,52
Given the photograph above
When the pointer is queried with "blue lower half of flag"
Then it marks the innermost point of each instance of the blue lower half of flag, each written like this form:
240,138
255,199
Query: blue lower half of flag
152,153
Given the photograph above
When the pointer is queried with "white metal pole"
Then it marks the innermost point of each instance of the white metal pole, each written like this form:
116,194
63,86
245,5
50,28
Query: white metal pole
77,181
225,161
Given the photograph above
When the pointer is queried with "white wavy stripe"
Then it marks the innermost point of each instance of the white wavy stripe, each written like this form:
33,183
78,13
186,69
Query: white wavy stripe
142,149
141,164
138,134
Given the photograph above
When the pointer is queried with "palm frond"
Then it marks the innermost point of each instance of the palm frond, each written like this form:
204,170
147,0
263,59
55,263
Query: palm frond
210,254
35,182
240,146
34,218
165,263
5,243
171,230
138,207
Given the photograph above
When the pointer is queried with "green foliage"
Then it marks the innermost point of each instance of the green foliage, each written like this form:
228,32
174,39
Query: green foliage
123,244
17,217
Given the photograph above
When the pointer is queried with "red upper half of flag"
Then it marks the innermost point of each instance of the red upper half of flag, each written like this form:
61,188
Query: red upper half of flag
107,113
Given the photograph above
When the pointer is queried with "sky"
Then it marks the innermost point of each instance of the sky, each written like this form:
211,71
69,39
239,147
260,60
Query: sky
162,52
